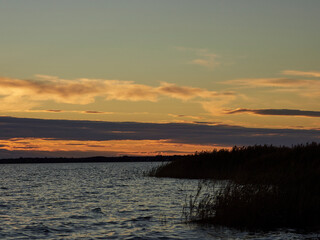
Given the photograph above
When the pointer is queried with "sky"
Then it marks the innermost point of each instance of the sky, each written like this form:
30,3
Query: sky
145,77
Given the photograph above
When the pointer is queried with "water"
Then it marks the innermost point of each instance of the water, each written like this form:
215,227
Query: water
102,201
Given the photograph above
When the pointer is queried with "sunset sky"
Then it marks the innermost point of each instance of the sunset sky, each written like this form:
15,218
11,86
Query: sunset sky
146,77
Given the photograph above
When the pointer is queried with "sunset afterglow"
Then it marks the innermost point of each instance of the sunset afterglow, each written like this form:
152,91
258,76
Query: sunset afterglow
157,77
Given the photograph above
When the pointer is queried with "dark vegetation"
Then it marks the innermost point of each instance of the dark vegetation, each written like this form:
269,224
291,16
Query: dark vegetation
267,187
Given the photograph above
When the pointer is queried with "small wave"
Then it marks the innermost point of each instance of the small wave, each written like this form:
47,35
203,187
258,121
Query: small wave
97,210
80,217
38,228
146,218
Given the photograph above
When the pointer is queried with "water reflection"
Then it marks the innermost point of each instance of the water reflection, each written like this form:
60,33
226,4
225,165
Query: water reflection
101,200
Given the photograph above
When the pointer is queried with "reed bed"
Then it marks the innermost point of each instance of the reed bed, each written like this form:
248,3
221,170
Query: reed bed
268,187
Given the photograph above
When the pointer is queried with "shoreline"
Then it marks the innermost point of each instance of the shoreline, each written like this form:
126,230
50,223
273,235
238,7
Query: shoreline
90,159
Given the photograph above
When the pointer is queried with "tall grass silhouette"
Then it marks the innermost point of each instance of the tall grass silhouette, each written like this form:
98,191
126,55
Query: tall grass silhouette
268,187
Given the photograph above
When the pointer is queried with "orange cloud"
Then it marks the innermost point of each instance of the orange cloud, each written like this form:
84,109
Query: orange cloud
81,91
186,93
134,138
119,147
303,87
216,107
301,73
26,94
271,82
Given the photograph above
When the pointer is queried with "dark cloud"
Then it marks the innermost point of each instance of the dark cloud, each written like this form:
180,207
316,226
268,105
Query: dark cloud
98,112
175,132
54,110
277,112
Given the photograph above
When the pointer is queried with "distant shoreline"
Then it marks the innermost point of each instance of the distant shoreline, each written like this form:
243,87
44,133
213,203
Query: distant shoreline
90,159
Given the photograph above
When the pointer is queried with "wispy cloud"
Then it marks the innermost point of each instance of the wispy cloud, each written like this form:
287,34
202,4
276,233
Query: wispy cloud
84,91
186,93
216,107
209,61
96,112
54,110
202,57
301,73
276,112
271,82
303,87
185,116
68,111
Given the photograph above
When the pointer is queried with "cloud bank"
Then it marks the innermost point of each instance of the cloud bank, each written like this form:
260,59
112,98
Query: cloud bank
226,135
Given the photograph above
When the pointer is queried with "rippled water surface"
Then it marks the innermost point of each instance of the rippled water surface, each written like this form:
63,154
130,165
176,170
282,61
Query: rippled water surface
101,201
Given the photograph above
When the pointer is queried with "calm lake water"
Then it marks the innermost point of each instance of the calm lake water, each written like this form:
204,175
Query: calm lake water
102,201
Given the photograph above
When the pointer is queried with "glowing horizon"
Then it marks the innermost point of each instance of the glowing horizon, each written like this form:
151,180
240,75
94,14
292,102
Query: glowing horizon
242,64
